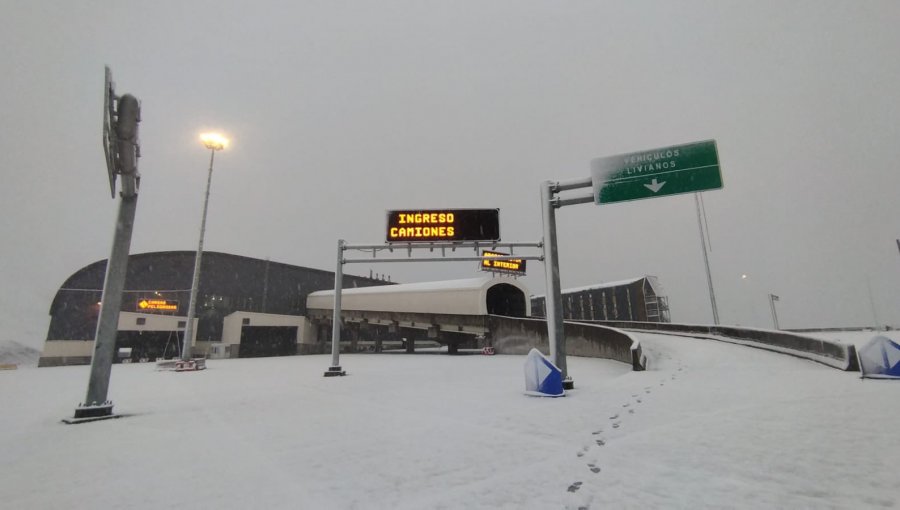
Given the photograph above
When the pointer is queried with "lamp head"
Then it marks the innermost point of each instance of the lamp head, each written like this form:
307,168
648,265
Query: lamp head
214,141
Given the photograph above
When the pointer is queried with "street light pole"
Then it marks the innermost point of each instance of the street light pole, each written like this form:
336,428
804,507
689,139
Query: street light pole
214,143
712,293
772,299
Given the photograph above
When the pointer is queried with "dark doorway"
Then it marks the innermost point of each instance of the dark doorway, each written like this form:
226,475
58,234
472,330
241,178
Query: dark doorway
260,341
149,345
506,299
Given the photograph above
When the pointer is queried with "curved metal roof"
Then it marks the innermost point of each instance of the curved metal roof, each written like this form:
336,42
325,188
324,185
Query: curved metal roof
463,297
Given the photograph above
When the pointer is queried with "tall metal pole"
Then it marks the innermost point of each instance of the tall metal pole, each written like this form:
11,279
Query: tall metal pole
122,152
335,368
553,301
772,299
192,303
712,294
110,305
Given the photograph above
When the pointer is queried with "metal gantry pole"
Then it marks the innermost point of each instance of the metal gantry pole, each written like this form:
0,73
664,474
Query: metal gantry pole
195,282
335,368
712,294
555,328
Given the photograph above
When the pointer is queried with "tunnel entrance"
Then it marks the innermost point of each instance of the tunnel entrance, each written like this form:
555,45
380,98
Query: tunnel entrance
506,299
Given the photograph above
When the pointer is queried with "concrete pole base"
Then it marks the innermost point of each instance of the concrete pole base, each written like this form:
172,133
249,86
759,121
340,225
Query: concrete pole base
335,372
568,384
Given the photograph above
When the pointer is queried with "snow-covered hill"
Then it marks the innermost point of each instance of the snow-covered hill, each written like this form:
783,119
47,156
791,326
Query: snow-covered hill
18,354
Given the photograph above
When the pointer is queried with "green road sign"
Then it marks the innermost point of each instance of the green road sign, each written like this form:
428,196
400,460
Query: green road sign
655,173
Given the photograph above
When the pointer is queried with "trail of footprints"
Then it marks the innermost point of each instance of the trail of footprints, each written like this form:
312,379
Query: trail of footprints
616,423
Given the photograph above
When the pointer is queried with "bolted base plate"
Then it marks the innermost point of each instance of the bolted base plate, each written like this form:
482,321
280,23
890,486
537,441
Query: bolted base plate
75,421
335,372
568,384
84,414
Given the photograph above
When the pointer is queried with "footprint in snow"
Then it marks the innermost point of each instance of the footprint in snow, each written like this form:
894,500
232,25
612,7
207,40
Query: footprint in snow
594,468
616,425
625,405
574,487
631,411
613,417
600,442
584,450
596,432
639,401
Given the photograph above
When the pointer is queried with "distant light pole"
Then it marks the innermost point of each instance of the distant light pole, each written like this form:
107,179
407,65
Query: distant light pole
772,299
214,142
703,234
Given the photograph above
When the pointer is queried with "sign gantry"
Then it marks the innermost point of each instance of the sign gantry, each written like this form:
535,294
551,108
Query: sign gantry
440,231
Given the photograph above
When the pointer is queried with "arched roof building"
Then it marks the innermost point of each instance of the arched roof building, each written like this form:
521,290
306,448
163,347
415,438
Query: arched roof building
228,284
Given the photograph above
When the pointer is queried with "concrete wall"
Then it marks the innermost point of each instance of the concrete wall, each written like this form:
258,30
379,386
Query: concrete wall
128,321
511,335
66,352
833,354
233,323
79,352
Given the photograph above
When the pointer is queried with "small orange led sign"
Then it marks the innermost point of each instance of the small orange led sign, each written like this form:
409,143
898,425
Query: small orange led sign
157,304
489,263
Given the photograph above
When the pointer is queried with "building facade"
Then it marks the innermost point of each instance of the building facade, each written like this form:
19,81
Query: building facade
245,307
637,299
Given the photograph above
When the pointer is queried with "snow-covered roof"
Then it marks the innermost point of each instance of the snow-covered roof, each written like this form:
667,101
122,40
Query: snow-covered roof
606,285
437,286
464,297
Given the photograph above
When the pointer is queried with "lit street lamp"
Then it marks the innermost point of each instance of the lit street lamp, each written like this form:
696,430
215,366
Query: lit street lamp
214,142
772,299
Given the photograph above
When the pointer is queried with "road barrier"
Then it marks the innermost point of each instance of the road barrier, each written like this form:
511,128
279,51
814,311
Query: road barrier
511,335
828,352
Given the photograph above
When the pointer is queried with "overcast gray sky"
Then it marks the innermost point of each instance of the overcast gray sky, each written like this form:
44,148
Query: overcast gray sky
341,110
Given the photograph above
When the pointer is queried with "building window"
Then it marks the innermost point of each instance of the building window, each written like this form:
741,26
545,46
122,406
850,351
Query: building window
141,321
245,321
182,324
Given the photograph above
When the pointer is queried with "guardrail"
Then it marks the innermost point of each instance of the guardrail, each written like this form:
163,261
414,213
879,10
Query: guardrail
827,352
512,335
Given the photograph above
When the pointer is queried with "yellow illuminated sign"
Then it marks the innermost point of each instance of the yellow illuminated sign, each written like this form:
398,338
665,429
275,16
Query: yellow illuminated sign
158,304
489,263
443,225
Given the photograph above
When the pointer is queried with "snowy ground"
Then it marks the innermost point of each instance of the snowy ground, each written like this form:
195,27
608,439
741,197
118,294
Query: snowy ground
712,425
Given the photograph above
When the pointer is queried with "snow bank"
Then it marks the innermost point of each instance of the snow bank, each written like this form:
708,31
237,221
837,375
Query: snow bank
12,352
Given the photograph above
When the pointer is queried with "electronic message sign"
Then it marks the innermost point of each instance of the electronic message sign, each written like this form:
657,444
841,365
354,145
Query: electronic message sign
489,263
157,304
432,225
